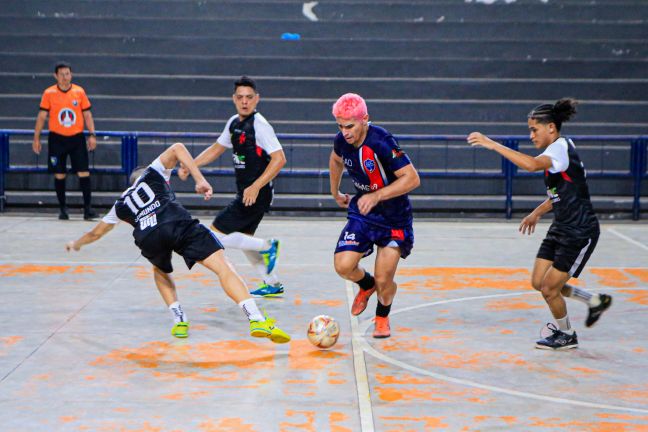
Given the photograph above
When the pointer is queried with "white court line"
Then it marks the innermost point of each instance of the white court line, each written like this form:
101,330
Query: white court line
628,239
366,347
360,368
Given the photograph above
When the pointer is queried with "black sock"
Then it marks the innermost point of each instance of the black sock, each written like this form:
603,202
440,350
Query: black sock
367,281
382,310
84,182
59,186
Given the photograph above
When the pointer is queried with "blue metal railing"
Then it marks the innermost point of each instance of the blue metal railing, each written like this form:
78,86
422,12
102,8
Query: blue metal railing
508,171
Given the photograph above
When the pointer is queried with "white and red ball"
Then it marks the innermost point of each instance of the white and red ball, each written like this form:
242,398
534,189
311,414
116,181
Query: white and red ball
323,331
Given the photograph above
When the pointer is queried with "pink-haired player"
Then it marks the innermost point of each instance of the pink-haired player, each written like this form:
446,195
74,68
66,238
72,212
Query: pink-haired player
380,212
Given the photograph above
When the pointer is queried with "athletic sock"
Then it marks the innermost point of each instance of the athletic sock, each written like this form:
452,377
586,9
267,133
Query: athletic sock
251,310
367,281
59,186
237,240
257,262
579,294
382,310
177,312
564,325
84,183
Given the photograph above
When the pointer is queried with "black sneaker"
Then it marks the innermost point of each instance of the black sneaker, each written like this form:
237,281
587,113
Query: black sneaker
90,215
595,312
63,214
558,340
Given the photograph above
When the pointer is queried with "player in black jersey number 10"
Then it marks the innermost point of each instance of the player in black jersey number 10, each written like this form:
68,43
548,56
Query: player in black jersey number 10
161,226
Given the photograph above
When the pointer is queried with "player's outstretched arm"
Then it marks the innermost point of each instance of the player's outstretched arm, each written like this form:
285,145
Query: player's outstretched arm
179,153
524,161
207,156
101,229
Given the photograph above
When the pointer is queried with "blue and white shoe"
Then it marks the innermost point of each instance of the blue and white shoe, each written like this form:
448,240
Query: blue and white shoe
270,255
266,290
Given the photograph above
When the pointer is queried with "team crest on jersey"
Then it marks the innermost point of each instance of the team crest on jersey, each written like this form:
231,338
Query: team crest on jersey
552,193
67,117
75,103
370,165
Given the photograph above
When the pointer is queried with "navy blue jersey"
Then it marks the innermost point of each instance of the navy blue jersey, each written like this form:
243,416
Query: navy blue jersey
371,167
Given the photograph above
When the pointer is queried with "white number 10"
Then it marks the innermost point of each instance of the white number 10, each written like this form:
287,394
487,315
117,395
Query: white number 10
150,196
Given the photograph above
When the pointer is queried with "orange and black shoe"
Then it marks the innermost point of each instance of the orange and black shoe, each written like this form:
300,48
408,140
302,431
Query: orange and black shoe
360,301
382,329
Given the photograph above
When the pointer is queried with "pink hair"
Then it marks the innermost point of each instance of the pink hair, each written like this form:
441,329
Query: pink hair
350,105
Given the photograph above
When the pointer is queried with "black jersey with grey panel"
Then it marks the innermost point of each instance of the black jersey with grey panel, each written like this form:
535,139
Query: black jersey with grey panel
149,203
573,211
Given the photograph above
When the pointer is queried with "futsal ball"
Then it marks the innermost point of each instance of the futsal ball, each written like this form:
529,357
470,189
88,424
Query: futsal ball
323,331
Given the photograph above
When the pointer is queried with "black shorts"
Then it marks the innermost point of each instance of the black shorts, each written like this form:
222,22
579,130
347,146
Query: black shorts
193,241
568,254
236,217
60,146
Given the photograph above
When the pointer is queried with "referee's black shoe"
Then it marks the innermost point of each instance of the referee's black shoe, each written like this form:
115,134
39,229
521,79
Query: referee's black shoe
63,214
89,214
595,312
558,340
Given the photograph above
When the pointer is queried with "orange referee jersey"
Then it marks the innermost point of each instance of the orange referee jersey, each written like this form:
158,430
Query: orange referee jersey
65,109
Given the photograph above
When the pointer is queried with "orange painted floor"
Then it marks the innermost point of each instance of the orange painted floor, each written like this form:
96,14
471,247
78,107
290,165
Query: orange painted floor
87,346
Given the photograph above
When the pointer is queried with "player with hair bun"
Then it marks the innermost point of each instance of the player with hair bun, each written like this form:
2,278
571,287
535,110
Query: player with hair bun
379,214
573,235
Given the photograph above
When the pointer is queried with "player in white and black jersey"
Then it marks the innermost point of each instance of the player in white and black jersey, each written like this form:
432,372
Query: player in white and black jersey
573,235
161,226
258,157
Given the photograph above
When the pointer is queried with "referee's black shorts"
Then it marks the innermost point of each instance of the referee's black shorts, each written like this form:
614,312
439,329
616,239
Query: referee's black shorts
568,254
236,217
193,241
60,146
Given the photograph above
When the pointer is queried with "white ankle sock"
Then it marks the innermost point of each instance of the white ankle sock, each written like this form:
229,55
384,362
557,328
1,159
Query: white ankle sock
564,325
177,312
257,262
251,310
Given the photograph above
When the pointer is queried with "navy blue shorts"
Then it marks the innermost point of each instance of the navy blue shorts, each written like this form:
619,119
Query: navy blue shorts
360,236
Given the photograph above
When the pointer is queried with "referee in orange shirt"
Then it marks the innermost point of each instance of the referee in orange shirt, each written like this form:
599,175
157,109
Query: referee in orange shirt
69,110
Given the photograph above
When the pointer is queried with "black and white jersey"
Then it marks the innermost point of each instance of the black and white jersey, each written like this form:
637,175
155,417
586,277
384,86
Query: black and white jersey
252,140
148,203
567,189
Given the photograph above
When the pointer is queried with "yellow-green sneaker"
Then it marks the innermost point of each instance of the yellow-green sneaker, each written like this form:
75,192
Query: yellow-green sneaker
180,329
267,329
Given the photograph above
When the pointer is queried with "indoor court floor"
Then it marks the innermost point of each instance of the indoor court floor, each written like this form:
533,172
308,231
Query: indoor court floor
86,344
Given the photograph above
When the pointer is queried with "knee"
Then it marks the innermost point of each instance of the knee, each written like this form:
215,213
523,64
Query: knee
382,281
344,269
549,292
536,284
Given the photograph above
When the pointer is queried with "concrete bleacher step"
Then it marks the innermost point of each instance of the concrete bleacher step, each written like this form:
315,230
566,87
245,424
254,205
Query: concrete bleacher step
134,27
326,66
251,45
306,87
320,109
331,10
